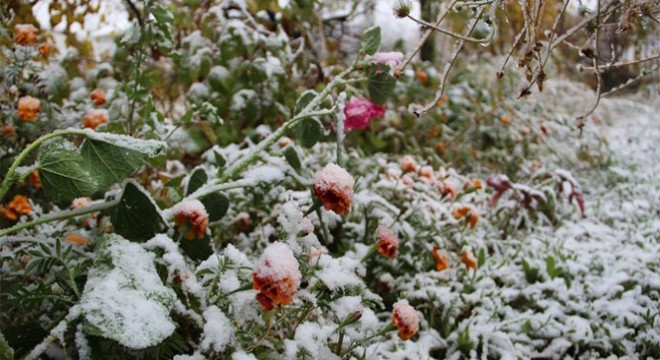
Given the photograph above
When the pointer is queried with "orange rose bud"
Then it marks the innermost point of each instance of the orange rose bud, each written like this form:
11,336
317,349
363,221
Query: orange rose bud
45,49
95,117
388,244
8,130
441,260
468,259
276,276
28,108
98,97
25,34
192,214
75,239
334,187
34,179
408,164
405,318
468,210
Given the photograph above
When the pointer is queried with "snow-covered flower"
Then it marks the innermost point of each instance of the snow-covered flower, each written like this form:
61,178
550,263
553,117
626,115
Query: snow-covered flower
360,112
469,211
468,259
45,49
28,108
426,172
191,217
334,187
391,59
388,244
408,164
97,96
75,239
405,318
95,117
441,259
473,184
276,276
448,188
500,183
25,34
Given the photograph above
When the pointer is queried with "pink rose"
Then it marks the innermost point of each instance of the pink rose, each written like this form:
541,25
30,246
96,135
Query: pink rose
359,112
391,59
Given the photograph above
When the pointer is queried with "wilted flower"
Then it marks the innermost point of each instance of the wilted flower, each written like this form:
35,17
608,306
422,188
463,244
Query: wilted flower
360,112
426,172
447,188
25,34
473,184
191,217
45,49
75,239
7,130
441,259
405,319
402,9
28,108
18,205
97,96
391,59
468,259
463,210
276,276
500,183
388,244
334,187
408,164
95,117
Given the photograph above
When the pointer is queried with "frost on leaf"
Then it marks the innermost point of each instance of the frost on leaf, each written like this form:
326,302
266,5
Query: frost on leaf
124,299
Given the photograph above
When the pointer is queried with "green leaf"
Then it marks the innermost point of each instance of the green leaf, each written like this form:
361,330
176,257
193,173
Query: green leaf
6,352
62,171
136,217
482,257
132,35
108,163
381,83
216,205
196,180
219,159
292,158
305,98
531,273
162,14
370,40
309,132
551,267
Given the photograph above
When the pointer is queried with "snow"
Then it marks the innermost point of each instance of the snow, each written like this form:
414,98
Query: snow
189,207
124,299
150,148
332,176
277,263
218,330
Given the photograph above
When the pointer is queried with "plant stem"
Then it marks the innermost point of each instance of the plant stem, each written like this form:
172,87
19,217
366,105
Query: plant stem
94,207
11,173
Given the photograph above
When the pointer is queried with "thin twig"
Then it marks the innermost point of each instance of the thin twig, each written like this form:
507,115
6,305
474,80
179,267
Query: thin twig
623,63
485,40
599,78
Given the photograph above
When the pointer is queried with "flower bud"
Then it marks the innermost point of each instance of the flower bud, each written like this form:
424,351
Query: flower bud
95,117
388,244
28,108
405,318
334,187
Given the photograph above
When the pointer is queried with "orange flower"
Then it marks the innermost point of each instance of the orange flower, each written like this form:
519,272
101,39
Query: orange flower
25,34
468,259
441,259
191,215
8,214
334,187
45,49
421,76
76,239
98,97
505,120
426,172
95,117
28,108
276,276
447,188
468,210
408,164
473,183
388,244
405,318
34,179
8,130
17,206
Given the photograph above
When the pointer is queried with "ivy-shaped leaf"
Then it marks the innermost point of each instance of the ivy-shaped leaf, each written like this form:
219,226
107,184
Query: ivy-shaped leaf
370,41
136,217
110,164
381,83
62,171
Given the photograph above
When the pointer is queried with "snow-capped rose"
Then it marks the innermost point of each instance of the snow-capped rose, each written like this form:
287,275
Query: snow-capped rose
191,216
97,96
276,276
360,112
334,187
388,244
95,117
28,108
405,318
391,59
25,34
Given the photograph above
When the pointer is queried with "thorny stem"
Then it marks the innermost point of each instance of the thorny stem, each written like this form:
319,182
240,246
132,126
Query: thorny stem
10,177
92,208
399,69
